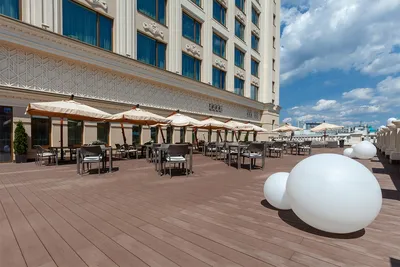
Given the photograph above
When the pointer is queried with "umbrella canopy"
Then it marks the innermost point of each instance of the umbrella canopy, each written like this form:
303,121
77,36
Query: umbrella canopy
239,126
256,128
326,127
180,120
67,109
213,124
287,128
138,116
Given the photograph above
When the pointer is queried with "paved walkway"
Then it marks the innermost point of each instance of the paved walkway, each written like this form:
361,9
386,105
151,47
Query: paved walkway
49,216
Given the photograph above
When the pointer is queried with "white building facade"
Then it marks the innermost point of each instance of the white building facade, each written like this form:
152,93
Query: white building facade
215,58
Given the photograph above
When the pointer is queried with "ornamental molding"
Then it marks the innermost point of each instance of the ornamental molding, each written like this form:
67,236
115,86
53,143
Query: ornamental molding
152,27
256,31
220,63
223,2
240,74
72,51
192,48
241,16
98,3
255,82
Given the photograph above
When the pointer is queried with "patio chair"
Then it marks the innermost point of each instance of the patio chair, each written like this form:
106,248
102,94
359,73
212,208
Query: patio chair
253,152
211,148
42,153
305,147
130,150
119,150
292,147
160,155
332,144
89,155
176,154
152,154
277,148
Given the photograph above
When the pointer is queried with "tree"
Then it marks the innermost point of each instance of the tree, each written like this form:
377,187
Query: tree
20,140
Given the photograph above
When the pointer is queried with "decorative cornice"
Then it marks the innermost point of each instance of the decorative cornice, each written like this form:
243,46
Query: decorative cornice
241,16
98,3
256,31
223,2
192,48
220,63
240,74
255,82
152,27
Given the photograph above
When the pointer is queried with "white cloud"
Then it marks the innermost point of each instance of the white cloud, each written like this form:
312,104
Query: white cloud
390,86
287,120
359,94
340,34
323,104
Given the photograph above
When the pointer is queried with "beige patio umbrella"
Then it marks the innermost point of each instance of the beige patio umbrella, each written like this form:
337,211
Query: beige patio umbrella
323,127
238,127
286,128
67,109
138,116
212,124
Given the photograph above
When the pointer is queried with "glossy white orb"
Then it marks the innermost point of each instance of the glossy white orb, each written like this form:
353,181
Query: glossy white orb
348,152
365,150
334,193
275,190
389,121
353,145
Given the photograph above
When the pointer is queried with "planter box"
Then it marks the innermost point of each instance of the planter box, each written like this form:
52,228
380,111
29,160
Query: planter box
20,158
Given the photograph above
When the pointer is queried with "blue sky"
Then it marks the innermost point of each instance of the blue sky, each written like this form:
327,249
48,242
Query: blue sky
340,61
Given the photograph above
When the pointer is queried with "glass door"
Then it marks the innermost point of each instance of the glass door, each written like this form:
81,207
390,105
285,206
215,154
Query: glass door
5,133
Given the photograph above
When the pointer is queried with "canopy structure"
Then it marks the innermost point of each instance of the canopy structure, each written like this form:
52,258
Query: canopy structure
139,116
213,124
179,120
286,128
239,126
323,127
69,109
256,128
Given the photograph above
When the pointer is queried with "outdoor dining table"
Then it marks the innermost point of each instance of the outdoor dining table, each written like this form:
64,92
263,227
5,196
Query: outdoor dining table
56,148
160,150
106,150
239,150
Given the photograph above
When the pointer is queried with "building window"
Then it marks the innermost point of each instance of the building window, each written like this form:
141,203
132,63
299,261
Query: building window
219,12
154,134
191,28
197,2
254,42
239,86
239,29
40,131
87,26
75,133
239,58
254,92
273,64
10,8
150,51
153,8
255,16
254,67
273,87
218,78
273,124
273,42
191,67
274,19
136,134
103,131
273,101
219,45
240,4
182,135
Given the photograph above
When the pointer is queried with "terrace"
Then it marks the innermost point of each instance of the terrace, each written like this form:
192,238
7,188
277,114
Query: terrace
50,216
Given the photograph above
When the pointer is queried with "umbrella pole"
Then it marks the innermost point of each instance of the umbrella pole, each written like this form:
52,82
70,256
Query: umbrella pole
62,138
162,134
237,136
219,134
123,133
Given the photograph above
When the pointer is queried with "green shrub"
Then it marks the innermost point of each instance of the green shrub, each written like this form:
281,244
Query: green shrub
20,140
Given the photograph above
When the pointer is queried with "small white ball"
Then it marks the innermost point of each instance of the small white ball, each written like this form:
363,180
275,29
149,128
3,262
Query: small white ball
389,121
348,152
334,193
275,190
365,150
353,145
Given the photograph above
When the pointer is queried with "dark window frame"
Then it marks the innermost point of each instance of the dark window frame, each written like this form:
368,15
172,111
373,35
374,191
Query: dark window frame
243,3
49,131
156,18
156,52
244,29
19,11
258,42
241,93
223,39
255,11
199,5
221,72
243,58
194,29
251,67
194,79
223,9
257,94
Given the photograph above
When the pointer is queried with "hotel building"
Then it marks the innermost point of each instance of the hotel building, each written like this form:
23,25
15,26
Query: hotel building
205,58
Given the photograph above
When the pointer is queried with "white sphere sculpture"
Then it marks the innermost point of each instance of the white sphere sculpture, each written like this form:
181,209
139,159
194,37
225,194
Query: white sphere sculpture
334,193
275,190
390,121
353,145
348,152
365,150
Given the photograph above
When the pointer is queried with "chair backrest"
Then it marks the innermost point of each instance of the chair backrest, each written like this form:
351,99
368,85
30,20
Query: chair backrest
307,143
164,146
178,150
155,145
88,151
117,146
256,147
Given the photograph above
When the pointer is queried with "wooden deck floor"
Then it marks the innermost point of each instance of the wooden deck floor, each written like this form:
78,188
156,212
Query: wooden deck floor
49,216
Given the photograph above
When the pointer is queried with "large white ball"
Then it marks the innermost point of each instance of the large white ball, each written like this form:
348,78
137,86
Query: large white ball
348,152
275,190
389,121
334,193
353,145
365,150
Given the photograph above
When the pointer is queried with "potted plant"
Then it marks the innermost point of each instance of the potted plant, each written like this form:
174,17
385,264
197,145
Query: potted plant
20,143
